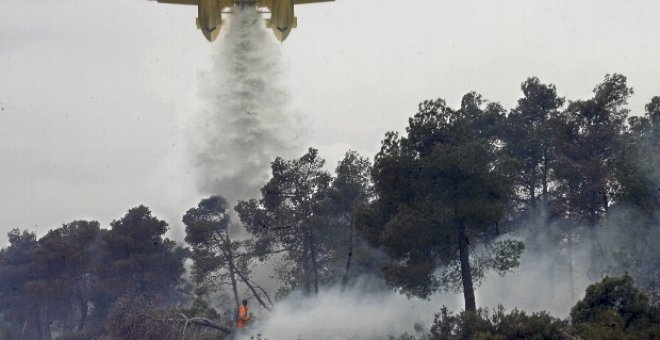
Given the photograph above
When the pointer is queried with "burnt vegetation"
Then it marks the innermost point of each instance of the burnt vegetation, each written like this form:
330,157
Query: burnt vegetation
434,212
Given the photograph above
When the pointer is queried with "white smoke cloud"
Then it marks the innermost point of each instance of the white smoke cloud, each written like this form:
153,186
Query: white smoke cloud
246,118
368,310
547,267
542,282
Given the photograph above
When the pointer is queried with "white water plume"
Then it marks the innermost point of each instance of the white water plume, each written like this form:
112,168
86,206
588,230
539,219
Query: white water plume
246,119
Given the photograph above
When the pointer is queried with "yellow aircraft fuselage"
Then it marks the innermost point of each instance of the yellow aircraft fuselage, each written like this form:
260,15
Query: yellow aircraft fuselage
209,17
282,20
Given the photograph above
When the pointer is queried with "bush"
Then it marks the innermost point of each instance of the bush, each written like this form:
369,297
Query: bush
497,325
611,309
135,317
615,309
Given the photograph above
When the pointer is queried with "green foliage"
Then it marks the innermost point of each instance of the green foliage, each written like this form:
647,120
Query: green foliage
213,252
285,220
587,137
352,184
611,309
615,309
528,137
639,177
440,188
20,286
497,325
68,257
638,162
138,258
210,218
351,189
49,279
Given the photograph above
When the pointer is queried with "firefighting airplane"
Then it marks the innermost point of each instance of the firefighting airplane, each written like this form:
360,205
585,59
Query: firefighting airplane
209,18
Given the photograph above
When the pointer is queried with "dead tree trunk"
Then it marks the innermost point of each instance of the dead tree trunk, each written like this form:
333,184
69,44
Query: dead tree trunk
199,322
232,274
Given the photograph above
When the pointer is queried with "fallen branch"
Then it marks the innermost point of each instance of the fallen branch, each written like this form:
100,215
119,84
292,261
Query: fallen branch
200,322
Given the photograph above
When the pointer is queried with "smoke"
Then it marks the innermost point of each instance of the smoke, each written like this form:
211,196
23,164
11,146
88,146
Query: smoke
552,277
246,118
367,310
554,272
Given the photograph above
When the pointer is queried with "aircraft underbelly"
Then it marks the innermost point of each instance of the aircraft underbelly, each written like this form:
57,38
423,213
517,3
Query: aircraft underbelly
209,18
282,18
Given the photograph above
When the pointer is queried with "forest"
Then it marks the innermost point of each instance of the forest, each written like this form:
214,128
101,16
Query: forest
437,209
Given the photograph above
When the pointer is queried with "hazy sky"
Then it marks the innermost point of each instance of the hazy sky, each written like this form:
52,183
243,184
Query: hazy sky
95,94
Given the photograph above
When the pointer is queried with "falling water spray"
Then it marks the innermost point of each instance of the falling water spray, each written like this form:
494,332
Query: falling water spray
246,115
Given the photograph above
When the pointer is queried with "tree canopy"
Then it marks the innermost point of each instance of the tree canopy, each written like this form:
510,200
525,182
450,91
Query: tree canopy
441,190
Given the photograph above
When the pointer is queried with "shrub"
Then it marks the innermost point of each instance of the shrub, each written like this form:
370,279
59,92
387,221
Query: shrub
615,309
496,325
135,317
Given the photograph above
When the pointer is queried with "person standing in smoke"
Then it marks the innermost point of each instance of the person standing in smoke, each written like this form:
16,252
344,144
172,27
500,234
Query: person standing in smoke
243,316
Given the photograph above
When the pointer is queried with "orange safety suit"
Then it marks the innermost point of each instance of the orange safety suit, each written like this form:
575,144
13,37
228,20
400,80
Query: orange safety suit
243,317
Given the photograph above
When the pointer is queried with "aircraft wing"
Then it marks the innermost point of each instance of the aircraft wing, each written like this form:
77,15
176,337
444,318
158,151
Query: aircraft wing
300,2
181,2
223,3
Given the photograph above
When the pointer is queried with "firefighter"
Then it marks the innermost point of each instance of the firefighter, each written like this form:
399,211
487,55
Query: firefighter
243,316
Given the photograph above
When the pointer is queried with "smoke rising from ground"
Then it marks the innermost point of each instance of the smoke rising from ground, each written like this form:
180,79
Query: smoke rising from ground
550,266
246,119
370,310
543,279
367,310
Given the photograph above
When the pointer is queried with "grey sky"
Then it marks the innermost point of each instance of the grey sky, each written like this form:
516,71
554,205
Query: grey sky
95,94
